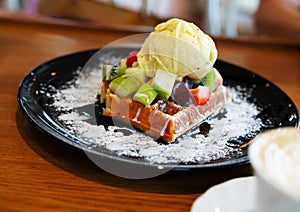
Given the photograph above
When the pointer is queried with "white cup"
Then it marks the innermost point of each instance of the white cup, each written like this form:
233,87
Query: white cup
275,158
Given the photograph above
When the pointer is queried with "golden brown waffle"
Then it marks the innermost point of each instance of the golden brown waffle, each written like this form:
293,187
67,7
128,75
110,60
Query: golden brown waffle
163,119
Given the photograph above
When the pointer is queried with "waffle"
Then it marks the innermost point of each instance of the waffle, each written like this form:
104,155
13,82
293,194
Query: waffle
163,119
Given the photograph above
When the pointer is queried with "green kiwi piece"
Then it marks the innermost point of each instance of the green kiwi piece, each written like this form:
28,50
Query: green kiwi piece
114,73
210,79
145,94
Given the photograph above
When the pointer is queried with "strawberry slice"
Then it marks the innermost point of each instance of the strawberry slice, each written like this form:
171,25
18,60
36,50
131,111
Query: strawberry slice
132,57
201,94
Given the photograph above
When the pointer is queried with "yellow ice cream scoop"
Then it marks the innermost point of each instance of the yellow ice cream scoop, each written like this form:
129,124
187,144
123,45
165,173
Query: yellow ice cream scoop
178,47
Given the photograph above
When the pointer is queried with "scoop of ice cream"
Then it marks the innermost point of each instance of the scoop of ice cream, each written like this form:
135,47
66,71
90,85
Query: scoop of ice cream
178,47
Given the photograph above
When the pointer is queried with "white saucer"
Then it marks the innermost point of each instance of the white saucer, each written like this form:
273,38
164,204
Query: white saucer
236,195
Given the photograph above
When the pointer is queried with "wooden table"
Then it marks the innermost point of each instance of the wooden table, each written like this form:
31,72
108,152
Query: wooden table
41,174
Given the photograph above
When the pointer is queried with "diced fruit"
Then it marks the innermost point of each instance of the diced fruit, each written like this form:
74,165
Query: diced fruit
181,94
107,67
219,79
125,85
163,83
132,70
196,83
137,72
201,94
188,82
123,63
210,79
150,73
132,57
114,73
145,94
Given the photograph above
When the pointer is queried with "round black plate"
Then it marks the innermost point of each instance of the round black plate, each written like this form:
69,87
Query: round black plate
277,108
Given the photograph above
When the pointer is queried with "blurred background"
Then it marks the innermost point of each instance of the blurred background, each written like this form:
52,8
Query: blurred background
276,19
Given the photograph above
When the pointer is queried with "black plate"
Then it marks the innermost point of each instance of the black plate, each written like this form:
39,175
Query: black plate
277,108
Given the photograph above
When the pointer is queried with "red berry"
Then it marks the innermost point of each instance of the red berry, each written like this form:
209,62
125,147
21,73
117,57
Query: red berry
132,57
201,94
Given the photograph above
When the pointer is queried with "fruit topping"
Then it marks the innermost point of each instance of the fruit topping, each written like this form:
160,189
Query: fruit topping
188,82
137,72
145,94
113,72
210,80
123,63
126,84
201,94
163,83
132,57
181,95
219,78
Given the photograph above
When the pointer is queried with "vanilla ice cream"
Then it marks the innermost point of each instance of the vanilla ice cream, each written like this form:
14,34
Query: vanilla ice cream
178,47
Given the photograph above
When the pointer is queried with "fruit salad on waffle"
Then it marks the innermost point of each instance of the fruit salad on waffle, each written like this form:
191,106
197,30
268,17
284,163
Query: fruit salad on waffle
169,86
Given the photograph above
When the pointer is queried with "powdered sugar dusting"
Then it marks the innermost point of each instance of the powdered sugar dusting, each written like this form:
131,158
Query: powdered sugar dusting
237,121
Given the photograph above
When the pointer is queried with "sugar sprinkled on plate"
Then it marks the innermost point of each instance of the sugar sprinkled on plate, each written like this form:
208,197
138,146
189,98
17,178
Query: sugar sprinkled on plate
239,119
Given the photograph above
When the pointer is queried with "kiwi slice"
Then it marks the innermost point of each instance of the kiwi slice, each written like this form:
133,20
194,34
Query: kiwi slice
114,73
210,79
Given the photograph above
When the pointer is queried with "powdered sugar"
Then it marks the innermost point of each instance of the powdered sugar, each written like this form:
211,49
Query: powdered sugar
75,102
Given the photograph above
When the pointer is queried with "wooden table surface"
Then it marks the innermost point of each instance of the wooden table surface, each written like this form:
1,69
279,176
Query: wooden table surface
39,173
